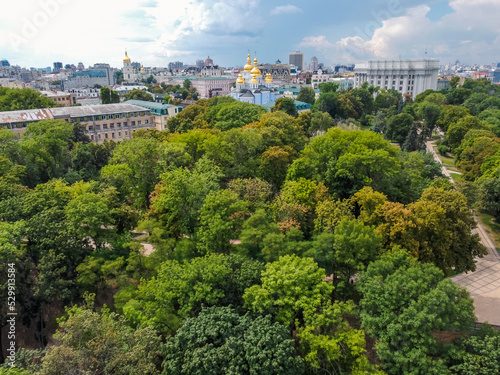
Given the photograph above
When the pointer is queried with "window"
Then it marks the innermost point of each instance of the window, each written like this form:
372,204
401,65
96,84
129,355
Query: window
139,122
98,127
112,135
125,123
132,123
92,137
106,135
118,124
120,134
99,136
112,125
91,127
104,126
126,132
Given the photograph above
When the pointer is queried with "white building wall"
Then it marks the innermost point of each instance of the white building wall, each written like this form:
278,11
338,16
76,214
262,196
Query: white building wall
408,77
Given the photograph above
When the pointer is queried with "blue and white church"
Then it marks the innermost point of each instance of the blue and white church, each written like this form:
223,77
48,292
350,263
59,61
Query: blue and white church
251,87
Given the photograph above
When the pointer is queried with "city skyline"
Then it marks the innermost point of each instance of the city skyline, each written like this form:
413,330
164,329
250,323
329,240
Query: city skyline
156,33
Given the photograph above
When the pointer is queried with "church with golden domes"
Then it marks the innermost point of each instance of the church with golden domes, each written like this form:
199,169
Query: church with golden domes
252,87
130,74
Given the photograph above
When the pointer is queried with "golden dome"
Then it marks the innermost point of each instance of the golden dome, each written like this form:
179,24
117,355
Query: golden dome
142,68
126,59
255,69
269,78
248,66
240,80
254,79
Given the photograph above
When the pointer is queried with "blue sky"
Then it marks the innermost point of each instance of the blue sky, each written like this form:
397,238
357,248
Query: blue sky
155,32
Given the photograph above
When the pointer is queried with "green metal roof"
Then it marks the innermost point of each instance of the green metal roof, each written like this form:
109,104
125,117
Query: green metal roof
298,104
150,105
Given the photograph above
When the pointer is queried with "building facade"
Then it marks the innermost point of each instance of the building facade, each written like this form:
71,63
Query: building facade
108,121
102,76
17,121
279,72
297,58
405,76
65,99
208,87
314,65
160,112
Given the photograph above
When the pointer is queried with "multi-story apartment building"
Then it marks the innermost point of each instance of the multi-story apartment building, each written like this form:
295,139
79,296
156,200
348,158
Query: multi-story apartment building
108,121
62,98
405,76
160,112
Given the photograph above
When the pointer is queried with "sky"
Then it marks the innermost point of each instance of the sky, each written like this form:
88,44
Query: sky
35,33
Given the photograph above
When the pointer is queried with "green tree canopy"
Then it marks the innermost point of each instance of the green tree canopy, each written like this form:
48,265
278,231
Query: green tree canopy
307,95
220,341
404,302
101,343
109,96
19,99
290,286
138,94
286,105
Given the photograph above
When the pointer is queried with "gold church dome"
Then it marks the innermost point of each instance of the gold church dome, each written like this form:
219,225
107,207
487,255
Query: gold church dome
254,79
255,69
126,59
142,68
248,66
240,80
269,78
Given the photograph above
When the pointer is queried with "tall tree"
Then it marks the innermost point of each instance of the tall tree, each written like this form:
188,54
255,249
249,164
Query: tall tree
290,286
286,105
226,342
417,302
307,95
109,96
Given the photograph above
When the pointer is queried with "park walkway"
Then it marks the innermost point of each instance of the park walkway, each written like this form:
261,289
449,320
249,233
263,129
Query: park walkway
484,283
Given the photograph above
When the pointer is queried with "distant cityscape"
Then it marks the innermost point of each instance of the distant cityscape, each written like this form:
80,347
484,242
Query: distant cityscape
254,82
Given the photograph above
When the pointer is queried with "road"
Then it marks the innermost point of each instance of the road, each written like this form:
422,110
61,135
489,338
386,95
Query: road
484,283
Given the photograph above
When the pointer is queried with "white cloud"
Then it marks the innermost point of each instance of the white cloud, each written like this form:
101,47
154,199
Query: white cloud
286,9
470,31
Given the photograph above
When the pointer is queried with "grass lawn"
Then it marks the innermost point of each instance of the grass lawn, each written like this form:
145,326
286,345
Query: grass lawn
456,176
447,159
491,226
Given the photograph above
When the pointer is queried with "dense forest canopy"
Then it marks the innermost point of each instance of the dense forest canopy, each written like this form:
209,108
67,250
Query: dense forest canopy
283,244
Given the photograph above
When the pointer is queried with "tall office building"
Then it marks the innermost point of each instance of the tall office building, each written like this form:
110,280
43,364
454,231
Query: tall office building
314,65
57,67
297,58
406,76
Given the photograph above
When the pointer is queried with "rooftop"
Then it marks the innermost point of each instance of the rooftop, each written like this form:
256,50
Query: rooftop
95,110
146,104
27,115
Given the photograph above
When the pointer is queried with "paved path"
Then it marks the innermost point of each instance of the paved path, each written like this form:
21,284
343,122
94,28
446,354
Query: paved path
484,283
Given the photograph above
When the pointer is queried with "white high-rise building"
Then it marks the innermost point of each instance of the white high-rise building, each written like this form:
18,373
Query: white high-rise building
406,76
314,65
